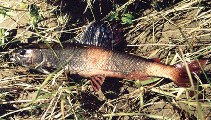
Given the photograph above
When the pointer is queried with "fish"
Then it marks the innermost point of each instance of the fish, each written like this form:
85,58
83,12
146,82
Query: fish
97,63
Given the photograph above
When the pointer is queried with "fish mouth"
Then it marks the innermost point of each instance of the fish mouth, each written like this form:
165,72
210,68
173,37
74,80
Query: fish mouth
19,60
14,58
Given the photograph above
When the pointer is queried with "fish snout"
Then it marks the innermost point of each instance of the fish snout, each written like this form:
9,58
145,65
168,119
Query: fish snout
22,57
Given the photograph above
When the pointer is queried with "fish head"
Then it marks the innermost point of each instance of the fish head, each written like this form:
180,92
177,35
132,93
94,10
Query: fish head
27,57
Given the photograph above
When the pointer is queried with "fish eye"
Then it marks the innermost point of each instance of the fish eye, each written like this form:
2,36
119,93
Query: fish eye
22,52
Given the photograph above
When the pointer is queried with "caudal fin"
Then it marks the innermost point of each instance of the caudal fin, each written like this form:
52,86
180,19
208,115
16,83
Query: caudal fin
195,67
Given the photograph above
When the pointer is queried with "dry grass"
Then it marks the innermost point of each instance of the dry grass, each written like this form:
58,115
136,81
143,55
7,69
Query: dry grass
174,31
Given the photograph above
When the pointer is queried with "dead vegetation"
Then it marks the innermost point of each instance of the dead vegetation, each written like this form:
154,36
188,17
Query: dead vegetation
172,31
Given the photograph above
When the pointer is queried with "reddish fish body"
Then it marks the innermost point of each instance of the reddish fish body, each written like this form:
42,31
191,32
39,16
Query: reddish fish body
91,61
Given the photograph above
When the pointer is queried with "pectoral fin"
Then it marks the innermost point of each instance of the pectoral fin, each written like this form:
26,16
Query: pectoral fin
97,82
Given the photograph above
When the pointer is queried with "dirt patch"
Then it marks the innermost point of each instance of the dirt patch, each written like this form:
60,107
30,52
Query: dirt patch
159,29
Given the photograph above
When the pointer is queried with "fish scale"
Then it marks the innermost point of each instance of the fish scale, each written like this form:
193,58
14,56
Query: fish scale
94,62
125,62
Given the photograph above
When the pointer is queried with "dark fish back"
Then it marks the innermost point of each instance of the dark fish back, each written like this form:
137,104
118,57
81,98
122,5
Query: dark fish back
81,59
68,56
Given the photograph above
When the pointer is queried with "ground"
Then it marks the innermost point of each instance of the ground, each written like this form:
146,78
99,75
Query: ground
173,31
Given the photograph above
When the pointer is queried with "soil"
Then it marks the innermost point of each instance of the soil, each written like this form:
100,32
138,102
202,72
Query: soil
159,29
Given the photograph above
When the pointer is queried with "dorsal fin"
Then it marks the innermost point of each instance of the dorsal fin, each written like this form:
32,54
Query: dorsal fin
100,34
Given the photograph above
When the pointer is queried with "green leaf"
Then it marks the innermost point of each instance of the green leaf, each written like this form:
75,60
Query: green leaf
114,16
3,35
4,12
35,15
146,82
23,5
129,16
127,19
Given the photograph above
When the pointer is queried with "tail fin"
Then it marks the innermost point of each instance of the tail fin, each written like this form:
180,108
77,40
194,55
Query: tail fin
195,67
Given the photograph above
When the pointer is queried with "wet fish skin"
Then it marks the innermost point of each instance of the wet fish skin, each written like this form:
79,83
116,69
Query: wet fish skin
92,61
80,59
